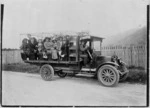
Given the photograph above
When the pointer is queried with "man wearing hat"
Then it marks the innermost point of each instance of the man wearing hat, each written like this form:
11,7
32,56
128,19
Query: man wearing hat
83,46
84,52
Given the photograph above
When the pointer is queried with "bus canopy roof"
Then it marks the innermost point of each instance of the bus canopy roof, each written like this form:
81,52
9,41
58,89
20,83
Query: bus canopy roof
89,37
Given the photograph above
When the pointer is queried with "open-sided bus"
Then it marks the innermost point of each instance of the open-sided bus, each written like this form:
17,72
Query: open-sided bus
109,70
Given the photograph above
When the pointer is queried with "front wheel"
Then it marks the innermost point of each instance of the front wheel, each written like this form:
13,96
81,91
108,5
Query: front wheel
47,72
108,75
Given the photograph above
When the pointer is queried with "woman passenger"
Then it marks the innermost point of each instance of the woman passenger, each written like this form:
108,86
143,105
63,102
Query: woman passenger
48,46
54,51
33,49
25,49
41,51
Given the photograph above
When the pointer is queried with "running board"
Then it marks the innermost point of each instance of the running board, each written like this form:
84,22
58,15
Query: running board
87,69
67,71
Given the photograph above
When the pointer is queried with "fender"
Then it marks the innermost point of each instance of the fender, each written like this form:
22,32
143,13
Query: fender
107,63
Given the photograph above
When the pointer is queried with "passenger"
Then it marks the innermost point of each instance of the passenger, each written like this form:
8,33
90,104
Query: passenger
54,50
51,43
40,45
36,50
65,51
41,51
58,46
35,41
24,45
33,49
32,45
32,38
25,49
48,46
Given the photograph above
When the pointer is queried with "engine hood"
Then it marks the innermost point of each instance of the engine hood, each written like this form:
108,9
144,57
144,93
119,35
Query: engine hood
103,58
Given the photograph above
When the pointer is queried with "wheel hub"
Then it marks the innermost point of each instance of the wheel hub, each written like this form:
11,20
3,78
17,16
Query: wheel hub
107,75
45,72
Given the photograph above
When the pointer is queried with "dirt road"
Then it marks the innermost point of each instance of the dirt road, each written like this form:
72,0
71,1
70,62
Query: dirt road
30,89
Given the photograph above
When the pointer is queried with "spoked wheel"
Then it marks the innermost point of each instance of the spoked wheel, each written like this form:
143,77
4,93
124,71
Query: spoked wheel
47,72
61,74
108,75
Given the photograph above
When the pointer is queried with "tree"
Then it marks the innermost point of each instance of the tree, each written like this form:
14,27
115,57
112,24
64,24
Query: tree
83,33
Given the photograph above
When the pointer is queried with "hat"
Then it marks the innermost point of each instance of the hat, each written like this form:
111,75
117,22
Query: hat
24,40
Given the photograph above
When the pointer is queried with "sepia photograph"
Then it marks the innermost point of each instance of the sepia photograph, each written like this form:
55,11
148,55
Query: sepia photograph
74,53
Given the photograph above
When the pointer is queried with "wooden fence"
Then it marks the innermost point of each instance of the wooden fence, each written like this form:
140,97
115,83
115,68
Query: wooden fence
132,55
13,56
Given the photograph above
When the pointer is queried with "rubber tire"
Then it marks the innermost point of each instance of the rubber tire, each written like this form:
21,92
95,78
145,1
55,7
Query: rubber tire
61,74
116,73
50,71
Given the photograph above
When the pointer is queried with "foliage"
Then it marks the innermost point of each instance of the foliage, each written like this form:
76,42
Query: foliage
131,37
21,67
137,75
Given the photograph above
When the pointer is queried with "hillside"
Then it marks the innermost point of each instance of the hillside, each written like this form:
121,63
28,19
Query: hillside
134,36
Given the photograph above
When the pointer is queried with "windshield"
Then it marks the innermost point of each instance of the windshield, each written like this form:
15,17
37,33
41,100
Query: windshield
97,45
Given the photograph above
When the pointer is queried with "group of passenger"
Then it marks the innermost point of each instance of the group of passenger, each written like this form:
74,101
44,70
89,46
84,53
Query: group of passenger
52,49
48,48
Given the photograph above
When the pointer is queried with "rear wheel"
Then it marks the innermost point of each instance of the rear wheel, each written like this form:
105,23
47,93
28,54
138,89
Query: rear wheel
61,74
108,75
47,72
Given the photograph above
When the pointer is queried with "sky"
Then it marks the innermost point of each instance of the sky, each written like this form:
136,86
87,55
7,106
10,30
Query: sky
102,18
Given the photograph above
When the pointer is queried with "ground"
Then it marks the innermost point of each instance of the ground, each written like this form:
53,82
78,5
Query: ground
30,89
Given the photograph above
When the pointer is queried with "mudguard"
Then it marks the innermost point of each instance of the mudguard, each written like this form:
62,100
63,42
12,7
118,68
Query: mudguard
107,63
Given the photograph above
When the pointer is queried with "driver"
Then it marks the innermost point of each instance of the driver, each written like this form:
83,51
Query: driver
83,46
85,54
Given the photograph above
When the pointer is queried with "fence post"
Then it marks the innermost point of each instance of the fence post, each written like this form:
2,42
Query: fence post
138,56
124,48
131,47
